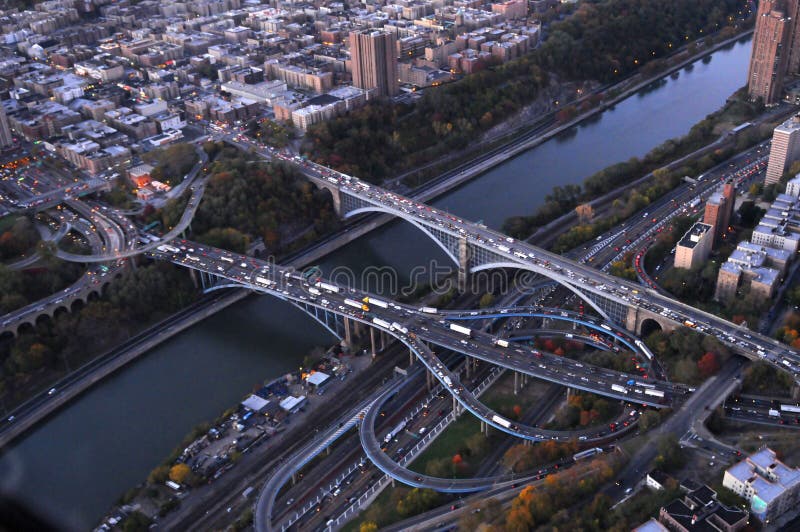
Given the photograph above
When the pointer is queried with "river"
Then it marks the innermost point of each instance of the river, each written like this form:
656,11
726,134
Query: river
77,463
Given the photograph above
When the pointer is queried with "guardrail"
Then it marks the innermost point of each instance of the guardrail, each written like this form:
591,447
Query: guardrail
370,495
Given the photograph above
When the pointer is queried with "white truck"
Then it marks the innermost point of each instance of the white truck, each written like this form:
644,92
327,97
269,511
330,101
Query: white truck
459,329
618,388
328,287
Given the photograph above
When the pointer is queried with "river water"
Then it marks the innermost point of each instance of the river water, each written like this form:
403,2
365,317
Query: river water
77,463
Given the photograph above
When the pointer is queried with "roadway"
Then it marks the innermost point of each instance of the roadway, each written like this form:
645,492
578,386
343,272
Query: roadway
288,284
586,281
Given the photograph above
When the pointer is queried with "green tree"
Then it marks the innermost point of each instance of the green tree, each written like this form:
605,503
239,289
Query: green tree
486,300
136,522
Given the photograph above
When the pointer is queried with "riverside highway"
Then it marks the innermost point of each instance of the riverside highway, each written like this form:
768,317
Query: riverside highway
586,281
287,284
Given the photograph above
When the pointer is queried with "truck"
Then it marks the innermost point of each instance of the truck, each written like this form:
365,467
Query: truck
500,421
504,249
618,388
168,249
604,326
227,259
397,327
459,329
447,380
328,287
381,323
654,393
689,324
644,349
193,257
790,408
694,203
500,342
376,302
314,291
588,453
353,303
394,432
774,413
428,310
264,281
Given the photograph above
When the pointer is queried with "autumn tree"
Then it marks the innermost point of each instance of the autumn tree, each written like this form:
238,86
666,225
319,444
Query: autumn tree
368,526
179,472
708,364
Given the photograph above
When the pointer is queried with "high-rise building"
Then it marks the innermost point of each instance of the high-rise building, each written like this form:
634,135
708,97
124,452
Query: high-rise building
694,248
374,61
785,149
719,210
6,139
772,47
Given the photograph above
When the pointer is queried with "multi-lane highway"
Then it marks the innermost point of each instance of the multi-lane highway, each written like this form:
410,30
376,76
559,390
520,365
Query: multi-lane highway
586,281
412,324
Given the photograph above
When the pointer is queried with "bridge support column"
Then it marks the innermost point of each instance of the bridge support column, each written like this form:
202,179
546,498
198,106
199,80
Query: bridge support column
463,264
193,276
456,408
428,380
516,383
294,479
372,341
411,358
468,365
383,340
484,428
328,450
347,337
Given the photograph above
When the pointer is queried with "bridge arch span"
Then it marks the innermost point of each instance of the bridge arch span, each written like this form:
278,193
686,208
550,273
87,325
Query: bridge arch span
482,267
649,326
545,273
364,210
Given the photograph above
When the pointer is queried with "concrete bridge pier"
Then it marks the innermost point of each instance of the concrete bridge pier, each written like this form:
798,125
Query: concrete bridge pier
484,428
193,277
456,406
347,336
463,264
516,383
411,358
468,365
372,341
429,380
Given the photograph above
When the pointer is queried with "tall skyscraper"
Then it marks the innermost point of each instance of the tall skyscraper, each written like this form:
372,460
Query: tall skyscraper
373,57
785,149
772,42
6,139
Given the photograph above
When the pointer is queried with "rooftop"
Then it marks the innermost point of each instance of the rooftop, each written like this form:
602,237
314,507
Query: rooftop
694,235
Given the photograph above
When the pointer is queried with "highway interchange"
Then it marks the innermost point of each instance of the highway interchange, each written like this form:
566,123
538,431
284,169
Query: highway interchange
117,242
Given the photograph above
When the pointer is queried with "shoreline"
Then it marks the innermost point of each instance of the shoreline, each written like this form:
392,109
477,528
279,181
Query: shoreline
40,408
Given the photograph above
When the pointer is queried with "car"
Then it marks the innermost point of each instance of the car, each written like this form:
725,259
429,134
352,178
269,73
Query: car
51,391
628,491
11,418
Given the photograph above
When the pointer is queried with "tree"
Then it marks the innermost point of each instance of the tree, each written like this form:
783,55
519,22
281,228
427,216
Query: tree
179,472
368,526
486,300
159,475
708,364
649,419
136,522
417,501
